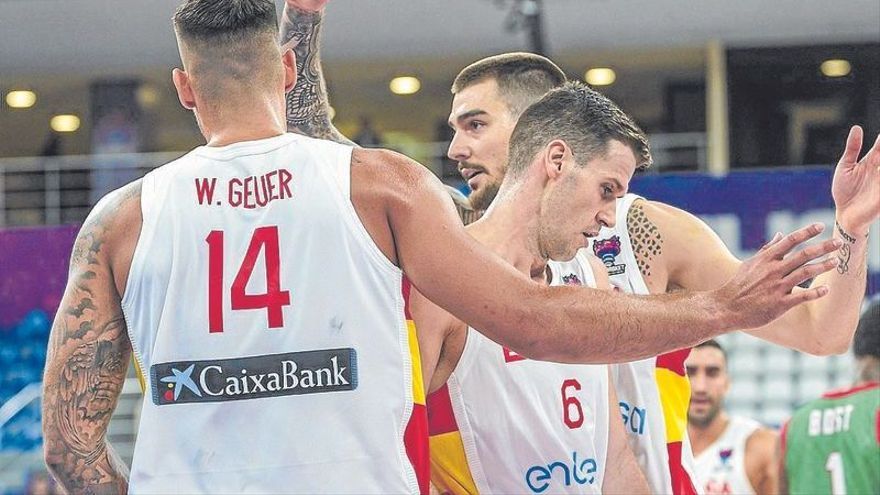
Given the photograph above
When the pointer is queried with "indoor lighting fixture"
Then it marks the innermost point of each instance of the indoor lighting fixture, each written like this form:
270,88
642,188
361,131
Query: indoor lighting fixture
600,76
21,99
405,85
836,67
64,123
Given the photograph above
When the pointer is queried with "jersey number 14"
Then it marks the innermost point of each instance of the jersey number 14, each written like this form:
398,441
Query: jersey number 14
265,239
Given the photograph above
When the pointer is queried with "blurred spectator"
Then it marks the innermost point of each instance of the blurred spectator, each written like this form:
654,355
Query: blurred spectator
367,136
832,444
733,454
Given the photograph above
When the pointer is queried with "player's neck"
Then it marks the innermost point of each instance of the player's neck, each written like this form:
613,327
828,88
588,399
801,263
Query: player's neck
509,228
702,437
258,119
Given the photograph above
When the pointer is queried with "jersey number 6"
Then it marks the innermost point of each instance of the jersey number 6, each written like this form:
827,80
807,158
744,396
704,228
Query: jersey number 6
264,238
571,403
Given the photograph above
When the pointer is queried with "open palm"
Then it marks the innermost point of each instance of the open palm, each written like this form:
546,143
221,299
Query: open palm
856,184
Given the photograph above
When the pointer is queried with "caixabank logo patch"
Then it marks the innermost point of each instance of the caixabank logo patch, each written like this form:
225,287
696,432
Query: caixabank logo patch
255,377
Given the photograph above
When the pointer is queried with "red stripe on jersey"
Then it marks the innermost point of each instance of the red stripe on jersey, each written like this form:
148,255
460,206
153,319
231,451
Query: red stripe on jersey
441,418
674,361
877,427
841,393
405,289
681,481
415,438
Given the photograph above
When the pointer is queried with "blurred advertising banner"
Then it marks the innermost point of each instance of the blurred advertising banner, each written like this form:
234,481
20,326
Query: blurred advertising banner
747,208
33,272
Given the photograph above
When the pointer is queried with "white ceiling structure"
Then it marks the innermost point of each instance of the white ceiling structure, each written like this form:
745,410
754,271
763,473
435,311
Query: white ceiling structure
55,36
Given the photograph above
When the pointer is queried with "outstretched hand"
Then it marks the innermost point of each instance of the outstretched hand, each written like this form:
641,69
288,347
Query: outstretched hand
762,289
856,185
307,5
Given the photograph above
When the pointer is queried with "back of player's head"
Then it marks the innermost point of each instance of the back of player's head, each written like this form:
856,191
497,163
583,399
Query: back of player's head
234,40
585,119
866,342
522,78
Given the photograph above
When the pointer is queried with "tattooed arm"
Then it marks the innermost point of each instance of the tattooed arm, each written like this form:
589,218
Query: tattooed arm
308,106
89,352
675,250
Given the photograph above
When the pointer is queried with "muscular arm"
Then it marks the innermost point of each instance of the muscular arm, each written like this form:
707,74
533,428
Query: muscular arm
412,220
689,255
698,260
86,364
308,106
762,465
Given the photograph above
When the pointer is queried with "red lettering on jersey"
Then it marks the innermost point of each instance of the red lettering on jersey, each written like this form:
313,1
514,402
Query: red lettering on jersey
235,194
512,357
258,191
285,177
205,190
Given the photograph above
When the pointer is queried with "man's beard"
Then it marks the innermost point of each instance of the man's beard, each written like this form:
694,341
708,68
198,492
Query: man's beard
704,421
483,197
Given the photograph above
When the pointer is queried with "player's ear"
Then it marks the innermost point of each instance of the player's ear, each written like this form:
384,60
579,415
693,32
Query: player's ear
184,89
289,60
555,154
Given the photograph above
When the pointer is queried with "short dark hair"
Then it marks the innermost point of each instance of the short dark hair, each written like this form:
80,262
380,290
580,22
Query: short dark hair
217,21
714,344
583,118
522,78
234,42
867,339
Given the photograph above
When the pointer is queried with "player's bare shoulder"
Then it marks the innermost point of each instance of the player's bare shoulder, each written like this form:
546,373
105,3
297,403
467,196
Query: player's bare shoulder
673,247
111,231
385,174
385,187
648,224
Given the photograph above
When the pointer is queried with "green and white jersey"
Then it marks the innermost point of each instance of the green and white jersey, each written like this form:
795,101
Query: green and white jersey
832,444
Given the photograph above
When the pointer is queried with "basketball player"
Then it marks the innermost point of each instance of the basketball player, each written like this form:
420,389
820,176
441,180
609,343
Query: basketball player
732,454
556,424
832,444
660,249
258,283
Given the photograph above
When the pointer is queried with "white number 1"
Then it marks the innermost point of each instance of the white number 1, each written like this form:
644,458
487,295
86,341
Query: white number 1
834,465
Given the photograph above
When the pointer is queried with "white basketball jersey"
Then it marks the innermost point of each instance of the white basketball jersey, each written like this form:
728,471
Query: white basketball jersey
654,393
721,468
270,327
507,424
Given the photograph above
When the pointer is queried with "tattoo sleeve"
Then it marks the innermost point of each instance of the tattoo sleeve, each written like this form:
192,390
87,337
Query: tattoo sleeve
646,240
85,369
308,106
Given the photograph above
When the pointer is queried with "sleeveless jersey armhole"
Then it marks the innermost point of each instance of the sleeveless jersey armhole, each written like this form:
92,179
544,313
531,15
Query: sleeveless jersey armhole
340,175
149,204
